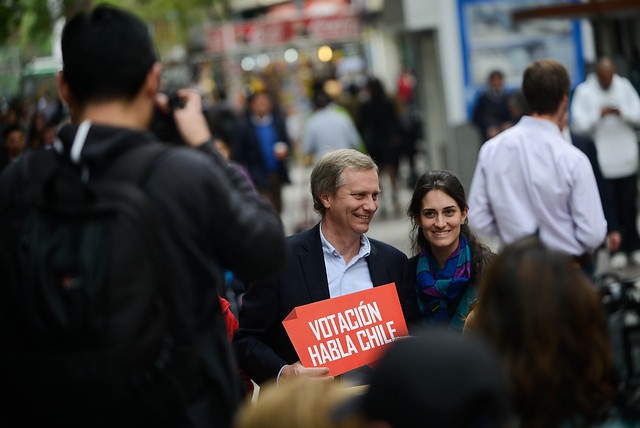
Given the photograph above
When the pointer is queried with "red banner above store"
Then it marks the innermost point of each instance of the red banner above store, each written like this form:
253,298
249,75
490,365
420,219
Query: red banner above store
257,34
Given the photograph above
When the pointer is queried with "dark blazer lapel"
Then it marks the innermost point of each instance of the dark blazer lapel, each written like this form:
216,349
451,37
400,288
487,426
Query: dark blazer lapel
377,267
312,263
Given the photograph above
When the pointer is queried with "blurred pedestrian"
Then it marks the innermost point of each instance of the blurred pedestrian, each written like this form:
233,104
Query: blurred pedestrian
35,138
406,85
382,135
14,144
262,145
328,128
529,179
586,145
351,101
492,113
49,132
433,380
222,118
9,118
545,318
607,107
411,133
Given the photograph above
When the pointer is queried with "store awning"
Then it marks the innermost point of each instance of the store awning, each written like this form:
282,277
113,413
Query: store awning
593,9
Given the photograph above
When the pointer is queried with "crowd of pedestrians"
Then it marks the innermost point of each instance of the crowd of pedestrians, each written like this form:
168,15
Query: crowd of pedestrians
96,332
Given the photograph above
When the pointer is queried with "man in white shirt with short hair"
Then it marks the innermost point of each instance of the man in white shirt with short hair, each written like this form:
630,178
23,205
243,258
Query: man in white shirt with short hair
528,179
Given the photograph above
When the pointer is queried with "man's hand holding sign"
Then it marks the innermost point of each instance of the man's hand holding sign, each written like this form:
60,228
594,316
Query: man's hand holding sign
336,335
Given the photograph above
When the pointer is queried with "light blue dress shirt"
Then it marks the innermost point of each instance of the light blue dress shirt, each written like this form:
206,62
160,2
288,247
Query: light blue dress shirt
342,278
529,178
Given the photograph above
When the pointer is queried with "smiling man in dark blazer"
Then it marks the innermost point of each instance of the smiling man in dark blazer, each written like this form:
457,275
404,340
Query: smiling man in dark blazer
332,259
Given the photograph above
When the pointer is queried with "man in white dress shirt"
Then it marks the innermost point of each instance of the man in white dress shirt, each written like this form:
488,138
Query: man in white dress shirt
607,107
529,179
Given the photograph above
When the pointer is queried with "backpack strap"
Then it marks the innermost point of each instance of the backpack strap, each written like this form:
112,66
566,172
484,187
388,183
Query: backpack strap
42,164
137,164
132,165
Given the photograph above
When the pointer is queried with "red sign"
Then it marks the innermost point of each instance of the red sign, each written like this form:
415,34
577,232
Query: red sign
277,32
346,332
332,27
215,39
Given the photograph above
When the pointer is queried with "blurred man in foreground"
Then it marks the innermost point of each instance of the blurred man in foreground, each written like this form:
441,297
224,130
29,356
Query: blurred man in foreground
207,219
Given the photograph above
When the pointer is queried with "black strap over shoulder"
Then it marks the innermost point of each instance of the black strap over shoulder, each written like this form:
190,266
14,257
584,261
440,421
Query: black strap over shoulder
138,163
42,166
57,182
135,164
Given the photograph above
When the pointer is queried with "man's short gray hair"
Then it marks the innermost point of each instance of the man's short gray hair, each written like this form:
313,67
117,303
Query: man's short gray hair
327,173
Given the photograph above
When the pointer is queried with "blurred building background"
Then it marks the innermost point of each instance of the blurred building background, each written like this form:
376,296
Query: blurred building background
229,48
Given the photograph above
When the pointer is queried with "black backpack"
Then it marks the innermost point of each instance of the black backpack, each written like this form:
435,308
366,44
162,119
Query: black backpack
83,326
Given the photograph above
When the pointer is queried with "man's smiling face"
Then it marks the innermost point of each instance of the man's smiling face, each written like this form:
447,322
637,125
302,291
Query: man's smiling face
351,208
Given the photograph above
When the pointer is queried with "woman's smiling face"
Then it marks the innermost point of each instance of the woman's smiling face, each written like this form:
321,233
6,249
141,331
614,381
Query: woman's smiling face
440,220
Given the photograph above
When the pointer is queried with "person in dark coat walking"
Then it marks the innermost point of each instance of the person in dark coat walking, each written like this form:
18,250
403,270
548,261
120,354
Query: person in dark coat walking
261,145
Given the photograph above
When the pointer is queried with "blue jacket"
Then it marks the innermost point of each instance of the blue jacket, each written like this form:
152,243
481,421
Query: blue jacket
247,152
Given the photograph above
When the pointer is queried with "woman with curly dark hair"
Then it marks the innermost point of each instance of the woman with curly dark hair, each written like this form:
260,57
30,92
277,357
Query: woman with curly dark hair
545,318
448,257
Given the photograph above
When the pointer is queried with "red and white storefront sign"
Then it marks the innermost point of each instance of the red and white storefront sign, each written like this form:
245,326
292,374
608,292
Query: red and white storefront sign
270,33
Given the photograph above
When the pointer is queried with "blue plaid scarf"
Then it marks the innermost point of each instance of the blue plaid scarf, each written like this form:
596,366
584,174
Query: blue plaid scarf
435,287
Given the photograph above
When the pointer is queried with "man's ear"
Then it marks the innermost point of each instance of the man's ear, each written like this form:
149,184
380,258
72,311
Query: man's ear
564,103
565,98
64,92
152,82
563,107
325,199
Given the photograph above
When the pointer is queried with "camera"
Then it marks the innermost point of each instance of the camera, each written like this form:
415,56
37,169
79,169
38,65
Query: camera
175,102
163,125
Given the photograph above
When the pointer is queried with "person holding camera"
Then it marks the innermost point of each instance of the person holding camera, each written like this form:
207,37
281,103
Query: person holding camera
207,219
